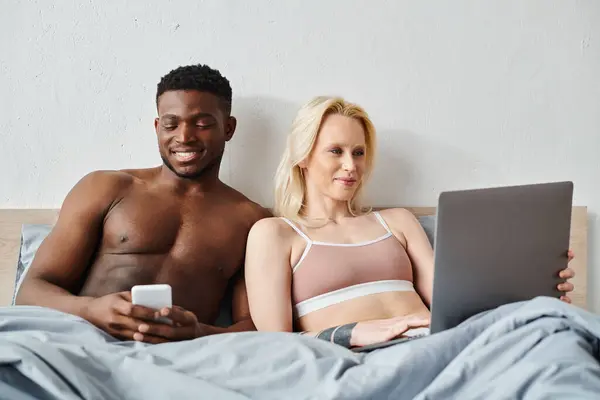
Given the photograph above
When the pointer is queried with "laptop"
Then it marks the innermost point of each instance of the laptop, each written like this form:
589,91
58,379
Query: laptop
495,246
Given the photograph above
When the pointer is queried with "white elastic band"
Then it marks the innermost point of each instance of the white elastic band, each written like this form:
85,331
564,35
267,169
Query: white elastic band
351,292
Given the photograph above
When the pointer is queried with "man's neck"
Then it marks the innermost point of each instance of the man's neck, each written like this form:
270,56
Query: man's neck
207,182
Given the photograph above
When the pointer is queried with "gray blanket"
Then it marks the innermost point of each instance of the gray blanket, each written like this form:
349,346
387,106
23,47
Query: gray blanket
540,349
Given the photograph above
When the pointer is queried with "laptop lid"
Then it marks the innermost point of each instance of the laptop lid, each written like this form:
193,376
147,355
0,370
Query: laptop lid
499,245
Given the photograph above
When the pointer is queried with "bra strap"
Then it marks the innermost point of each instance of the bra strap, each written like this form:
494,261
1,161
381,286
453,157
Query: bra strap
290,223
380,218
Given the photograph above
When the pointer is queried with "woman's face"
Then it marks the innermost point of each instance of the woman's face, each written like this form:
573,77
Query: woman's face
337,162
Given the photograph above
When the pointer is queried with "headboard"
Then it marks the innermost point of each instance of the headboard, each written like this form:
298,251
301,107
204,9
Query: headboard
11,221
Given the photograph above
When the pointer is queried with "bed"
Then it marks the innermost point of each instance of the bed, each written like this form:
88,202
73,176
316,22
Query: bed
542,348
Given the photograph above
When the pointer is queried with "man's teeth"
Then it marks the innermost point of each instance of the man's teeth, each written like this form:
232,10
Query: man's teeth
186,153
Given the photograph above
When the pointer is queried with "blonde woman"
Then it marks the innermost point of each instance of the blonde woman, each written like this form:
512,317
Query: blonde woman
327,266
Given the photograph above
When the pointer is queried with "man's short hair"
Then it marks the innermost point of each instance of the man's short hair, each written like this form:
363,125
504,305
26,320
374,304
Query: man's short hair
197,77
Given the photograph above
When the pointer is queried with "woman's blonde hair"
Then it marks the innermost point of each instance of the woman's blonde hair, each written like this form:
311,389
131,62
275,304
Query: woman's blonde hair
290,187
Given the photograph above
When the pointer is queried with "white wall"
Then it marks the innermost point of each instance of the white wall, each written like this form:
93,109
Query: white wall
464,93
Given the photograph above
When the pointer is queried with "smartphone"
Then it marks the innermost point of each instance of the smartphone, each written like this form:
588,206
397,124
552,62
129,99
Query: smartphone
153,296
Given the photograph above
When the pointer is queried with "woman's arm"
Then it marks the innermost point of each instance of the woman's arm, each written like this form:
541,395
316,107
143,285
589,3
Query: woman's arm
357,334
405,225
269,275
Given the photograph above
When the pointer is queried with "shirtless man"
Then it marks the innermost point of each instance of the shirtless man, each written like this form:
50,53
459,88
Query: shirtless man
176,224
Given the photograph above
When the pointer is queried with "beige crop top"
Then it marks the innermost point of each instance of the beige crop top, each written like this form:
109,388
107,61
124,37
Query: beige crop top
330,273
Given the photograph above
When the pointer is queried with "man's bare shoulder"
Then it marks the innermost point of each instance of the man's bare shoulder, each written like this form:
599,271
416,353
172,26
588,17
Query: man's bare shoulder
250,210
257,212
142,174
102,181
115,180
95,194
104,188
118,179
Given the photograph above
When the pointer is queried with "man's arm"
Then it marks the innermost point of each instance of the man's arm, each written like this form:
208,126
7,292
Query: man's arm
242,321
186,325
240,309
61,262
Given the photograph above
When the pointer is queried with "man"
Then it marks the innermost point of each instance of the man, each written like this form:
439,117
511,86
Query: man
176,224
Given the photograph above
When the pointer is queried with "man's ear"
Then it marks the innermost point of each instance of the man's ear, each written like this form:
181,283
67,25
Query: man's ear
156,125
230,125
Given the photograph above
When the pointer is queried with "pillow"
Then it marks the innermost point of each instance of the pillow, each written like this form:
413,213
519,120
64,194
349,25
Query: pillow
32,235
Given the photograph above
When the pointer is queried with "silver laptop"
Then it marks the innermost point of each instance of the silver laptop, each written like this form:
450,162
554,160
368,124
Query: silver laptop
495,246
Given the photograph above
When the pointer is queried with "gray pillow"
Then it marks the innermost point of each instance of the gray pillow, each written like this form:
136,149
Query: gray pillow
32,235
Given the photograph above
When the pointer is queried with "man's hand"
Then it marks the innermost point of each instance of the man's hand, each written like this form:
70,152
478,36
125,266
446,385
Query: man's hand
567,273
116,315
184,326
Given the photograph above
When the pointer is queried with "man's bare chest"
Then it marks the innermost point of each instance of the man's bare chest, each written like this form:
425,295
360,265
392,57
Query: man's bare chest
185,234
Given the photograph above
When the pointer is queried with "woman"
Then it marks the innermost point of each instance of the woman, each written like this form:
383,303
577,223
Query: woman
327,266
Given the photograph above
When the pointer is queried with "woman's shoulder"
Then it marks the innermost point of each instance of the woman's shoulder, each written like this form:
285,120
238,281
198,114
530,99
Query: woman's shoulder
398,215
401,220
271,228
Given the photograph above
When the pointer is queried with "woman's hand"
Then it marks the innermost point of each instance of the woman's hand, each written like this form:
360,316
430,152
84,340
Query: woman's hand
567,273
383,330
